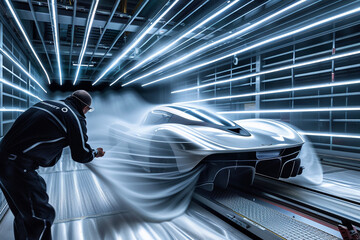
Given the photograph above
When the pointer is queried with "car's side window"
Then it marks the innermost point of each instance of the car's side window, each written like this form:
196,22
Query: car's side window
157,117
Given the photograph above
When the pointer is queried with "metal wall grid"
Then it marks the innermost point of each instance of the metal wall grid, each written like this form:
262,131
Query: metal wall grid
9,96
328,42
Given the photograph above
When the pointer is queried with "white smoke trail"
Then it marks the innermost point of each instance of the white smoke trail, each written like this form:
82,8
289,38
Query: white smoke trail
147,183
313,172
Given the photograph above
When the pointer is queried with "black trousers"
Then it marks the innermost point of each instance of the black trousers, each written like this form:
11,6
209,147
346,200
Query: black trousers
25,192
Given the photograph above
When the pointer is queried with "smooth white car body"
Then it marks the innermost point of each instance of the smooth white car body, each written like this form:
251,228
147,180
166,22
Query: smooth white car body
179,138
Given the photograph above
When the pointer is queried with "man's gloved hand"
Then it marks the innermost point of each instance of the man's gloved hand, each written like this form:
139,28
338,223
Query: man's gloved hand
99,152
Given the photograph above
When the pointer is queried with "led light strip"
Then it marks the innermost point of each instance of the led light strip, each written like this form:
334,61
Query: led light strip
11,110
18,88
12,73
21,68
56,37
282,36
86,38
83,65
339,135
136,42
176,41
333,57
276,91
197,51
294,110
26,37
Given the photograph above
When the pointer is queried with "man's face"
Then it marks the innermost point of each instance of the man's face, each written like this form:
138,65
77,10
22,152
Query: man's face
86,109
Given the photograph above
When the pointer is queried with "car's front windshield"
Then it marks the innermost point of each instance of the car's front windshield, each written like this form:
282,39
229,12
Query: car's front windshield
211,118
206,116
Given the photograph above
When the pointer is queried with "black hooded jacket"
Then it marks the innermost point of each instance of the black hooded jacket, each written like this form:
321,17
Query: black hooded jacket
42,131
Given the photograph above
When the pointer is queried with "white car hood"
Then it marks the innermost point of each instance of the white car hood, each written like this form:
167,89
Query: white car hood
263,135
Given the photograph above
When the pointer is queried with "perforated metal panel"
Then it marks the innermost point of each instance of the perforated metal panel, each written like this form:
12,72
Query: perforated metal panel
268,218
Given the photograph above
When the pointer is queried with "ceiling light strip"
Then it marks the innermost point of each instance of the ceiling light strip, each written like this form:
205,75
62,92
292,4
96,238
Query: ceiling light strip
83,65
86,37
136,42
56,36
21,68
168,31
19,88
294,110
13,13
333,57
236,34
279,37
212,16
318,86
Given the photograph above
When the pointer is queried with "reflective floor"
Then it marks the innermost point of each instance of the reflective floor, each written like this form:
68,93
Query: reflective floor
87,210
336,181
341,182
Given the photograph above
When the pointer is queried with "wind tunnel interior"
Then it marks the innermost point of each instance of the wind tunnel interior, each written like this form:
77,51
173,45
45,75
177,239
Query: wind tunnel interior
219,119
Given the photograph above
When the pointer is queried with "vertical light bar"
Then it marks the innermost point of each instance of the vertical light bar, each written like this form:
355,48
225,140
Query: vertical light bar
86,37
21,68
56,36
26,37
236,34
135,43
212,16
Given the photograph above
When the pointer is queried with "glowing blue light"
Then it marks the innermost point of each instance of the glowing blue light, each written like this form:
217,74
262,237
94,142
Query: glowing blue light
19,88
333,57
339,135
136,42
282,36
174,42
294,110
11,110
56,38
86,38
26,37
197,51
21,68
343,83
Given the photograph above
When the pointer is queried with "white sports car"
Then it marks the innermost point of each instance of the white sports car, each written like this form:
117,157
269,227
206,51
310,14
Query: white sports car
176,138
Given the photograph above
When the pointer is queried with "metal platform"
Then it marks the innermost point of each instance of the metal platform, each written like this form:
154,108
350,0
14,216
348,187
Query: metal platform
260,219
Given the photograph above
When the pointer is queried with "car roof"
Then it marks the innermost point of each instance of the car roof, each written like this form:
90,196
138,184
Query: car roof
176,110
183,111
173,108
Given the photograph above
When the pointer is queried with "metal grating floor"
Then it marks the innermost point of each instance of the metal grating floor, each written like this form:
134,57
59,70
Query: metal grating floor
270,219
